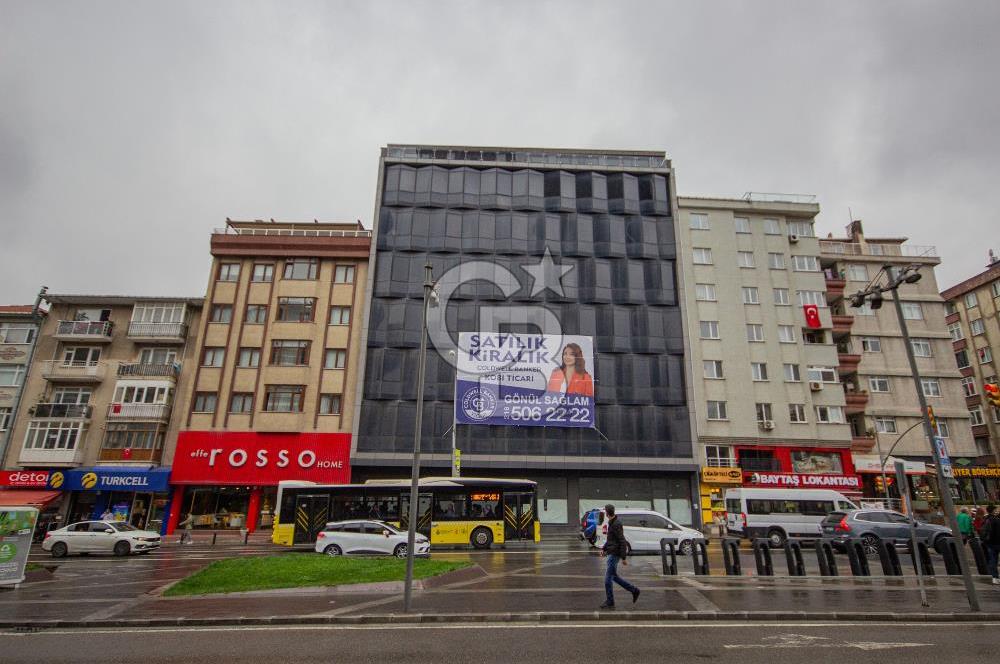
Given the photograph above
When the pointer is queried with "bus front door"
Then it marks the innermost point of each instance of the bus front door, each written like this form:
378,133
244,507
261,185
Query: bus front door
518,516
312,512
423,512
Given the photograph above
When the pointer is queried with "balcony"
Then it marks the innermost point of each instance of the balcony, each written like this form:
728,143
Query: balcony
158,332
875,249
63,457
862,444
856,401
93,331
138,411
980,431
130,454
77,372
142,370
848,362
835,285
69,411
842,324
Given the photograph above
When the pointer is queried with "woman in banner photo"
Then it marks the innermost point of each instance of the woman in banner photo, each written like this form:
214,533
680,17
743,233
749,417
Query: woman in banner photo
571,376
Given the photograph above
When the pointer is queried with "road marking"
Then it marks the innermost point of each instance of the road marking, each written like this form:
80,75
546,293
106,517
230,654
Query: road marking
697,601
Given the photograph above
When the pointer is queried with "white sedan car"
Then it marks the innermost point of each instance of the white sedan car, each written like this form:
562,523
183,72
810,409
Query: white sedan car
645,528
114,537
371,537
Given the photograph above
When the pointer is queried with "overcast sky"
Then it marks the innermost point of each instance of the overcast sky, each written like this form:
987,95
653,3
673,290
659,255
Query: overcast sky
129,130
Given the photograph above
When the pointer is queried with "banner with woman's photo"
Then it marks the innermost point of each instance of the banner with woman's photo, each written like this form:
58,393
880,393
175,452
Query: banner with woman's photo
541,380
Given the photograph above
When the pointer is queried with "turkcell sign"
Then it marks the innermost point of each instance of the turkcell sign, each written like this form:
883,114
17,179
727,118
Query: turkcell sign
537,380
103,479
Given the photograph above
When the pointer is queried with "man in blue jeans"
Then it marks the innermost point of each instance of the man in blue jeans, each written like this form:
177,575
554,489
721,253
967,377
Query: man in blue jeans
990,534
615,549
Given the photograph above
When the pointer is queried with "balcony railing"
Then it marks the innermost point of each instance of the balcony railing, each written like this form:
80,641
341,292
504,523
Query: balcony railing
53,456
140,369
93,330
76,371
130,454
157,330
63,410
875,249
138,411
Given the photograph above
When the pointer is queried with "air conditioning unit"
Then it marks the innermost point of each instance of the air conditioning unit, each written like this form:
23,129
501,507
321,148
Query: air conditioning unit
793,238
767,425
815,385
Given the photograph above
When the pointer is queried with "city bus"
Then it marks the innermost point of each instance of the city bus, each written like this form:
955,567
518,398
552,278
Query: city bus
450,511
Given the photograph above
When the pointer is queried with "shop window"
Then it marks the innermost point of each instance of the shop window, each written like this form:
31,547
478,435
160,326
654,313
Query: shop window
817,463
760,460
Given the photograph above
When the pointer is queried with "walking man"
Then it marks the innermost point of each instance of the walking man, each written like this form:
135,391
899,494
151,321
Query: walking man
616,550
965,524
990,535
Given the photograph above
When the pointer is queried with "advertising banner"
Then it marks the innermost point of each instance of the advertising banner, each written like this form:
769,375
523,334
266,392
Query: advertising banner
25,478
525,380
104,479
17,525
802,481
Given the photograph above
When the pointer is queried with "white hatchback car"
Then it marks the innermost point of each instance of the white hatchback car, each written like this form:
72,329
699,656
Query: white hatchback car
371,537
645,528
114,537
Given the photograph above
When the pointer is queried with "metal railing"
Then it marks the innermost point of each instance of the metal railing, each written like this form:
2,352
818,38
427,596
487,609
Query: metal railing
138,411
73,370
142,369
875,249
767,197
67,410
291,232
158,330
85,328
432,153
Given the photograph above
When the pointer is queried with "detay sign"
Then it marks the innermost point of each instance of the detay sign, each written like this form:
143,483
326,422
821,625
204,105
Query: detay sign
250,458
802,481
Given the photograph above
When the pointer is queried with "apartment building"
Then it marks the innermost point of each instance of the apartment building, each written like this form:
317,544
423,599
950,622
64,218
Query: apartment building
18,333
271,394
769,409
973,320
97,405
873,363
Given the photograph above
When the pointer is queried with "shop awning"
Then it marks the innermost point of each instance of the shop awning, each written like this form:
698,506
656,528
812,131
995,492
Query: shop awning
27,497
870,463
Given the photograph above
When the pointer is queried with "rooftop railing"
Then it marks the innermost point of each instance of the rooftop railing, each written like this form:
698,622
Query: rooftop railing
542,157
291,232
876,249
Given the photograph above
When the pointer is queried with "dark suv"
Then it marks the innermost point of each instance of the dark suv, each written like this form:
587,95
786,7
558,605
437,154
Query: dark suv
873,525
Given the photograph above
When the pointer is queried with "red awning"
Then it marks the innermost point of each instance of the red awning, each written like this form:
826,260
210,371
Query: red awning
27,497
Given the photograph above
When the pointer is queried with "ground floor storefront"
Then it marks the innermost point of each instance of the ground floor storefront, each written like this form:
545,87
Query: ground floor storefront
977,484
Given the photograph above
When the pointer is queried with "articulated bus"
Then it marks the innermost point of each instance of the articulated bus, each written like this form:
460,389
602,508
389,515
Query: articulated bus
451,510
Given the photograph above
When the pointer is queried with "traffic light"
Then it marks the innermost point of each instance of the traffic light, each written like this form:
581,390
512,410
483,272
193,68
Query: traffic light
880,485
932,420
992,391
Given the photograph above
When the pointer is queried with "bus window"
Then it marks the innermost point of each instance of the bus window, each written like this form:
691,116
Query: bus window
484,505
817,507
758,506
733,506
382,507
449,507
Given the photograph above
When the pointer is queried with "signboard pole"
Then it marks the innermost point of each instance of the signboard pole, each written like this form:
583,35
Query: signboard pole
17,528
904,494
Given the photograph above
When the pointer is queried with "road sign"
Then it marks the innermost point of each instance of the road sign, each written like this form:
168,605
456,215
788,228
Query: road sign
456,462
942,450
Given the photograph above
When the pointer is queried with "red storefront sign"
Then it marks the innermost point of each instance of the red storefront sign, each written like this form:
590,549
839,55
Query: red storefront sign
801,481
261,459
24,478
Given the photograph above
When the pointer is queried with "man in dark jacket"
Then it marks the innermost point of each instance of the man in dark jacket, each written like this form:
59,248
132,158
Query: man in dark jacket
990,534
615,549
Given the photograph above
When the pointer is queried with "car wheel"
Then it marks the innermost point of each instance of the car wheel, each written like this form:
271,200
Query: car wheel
333,550
939,543
870,544
687,548
776,538
399,551
122,548
592,540
59,550
482,538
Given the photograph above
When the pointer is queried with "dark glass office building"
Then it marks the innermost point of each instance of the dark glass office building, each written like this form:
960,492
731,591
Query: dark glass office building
609,215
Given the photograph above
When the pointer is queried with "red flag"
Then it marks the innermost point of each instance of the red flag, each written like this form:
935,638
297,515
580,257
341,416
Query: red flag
127,453
812,315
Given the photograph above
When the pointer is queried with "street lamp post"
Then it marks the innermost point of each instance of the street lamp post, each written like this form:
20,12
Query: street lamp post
454,421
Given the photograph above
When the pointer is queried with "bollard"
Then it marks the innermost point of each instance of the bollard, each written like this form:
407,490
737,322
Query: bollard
699,556
793,556
762,557
889,559
214,535
948,548
827,560
923,554
246,535
857,557
731,556
979,554
671,568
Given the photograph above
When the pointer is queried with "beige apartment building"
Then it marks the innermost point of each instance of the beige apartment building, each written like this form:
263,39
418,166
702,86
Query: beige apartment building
973,320
18,333
272,391
873,358
769,408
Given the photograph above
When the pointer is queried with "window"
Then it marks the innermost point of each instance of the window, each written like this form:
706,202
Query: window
11,374
830,414
709,329
4,418
758,371
301,268
822,374
213,356
745,259
805,263
704,292
16,334
222,313
871,344
241,402
340,315
142,394
712,368
812,297
755,332
205,402
876,250
865,309
741,224
764,412
329,404
792,374
950,308
857,272
750,295
996,288
719,456
912,311
801,228
249,358
336,358
971,300
943,430
343,274
284,398
786,334
290,352
931,387
449,507
985,354
772,227
717,410
969,386
702,256
156,312
263,272
878,383
797,413
955,330
921,347
699,222
814,337
776,261
977,327
885,425
781,296
751,459
256,314
962,359
976,416
229,271
53,435
296,309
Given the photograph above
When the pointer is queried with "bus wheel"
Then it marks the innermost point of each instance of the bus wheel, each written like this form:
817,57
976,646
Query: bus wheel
482,538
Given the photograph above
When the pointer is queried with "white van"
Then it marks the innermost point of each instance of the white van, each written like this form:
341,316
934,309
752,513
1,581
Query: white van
778,514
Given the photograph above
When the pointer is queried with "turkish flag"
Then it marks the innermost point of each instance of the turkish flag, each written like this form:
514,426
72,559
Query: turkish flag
812,315
127,453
